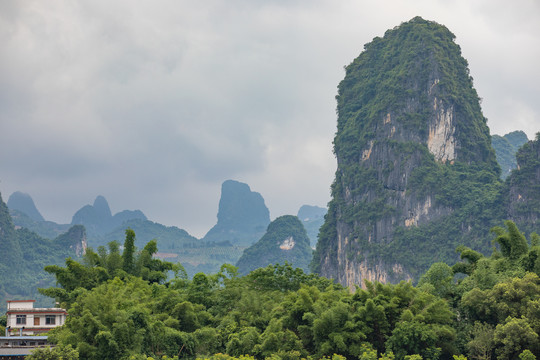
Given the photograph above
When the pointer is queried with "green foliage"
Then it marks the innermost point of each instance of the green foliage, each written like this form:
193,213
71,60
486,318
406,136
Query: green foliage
129,252
96,268
55,353
527,355
512,242
514,336
279,312
522,187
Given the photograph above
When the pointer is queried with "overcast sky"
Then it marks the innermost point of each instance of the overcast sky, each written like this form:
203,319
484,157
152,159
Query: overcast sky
153,104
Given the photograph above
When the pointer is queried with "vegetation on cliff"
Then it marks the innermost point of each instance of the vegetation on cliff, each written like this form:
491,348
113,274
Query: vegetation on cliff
522,187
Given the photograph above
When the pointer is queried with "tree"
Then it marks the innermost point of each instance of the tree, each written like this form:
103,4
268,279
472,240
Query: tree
514,336
129,252
482,344
512,242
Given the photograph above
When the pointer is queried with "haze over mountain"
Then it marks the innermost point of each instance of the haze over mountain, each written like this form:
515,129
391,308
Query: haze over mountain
312,218
506,148
98,220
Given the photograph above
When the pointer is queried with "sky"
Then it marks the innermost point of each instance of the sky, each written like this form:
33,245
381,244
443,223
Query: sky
153,104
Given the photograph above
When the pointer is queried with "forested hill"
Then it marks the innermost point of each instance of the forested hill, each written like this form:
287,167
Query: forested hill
285,240
417,174
24,254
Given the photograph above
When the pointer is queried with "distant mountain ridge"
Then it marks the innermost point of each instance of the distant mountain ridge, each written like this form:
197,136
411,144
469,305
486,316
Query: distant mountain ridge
167,237
98,219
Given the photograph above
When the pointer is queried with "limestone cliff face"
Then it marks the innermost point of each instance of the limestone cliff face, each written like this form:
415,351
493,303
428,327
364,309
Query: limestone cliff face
406,111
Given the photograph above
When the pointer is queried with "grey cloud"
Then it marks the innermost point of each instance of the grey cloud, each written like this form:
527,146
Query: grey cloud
153,105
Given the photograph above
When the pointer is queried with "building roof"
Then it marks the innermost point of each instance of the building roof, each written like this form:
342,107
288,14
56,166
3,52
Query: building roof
41,337
37,310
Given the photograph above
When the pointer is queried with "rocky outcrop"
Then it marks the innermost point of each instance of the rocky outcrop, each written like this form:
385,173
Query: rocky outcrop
441,140
74,239
285,240
242,215
409,124
24,203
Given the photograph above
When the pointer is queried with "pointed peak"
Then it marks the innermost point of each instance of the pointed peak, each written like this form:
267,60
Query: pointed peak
102,206
23,202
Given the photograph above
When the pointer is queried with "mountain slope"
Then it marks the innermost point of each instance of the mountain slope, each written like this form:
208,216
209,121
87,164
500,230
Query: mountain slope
25,254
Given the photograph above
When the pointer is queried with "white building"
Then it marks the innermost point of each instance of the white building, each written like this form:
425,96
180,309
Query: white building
23,319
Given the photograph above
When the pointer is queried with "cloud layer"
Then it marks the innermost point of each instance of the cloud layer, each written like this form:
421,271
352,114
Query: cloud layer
154,105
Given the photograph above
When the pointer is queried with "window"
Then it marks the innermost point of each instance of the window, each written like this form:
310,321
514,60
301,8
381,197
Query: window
21,320
50,319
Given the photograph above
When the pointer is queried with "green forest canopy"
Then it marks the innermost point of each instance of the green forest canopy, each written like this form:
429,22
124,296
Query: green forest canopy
120,311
